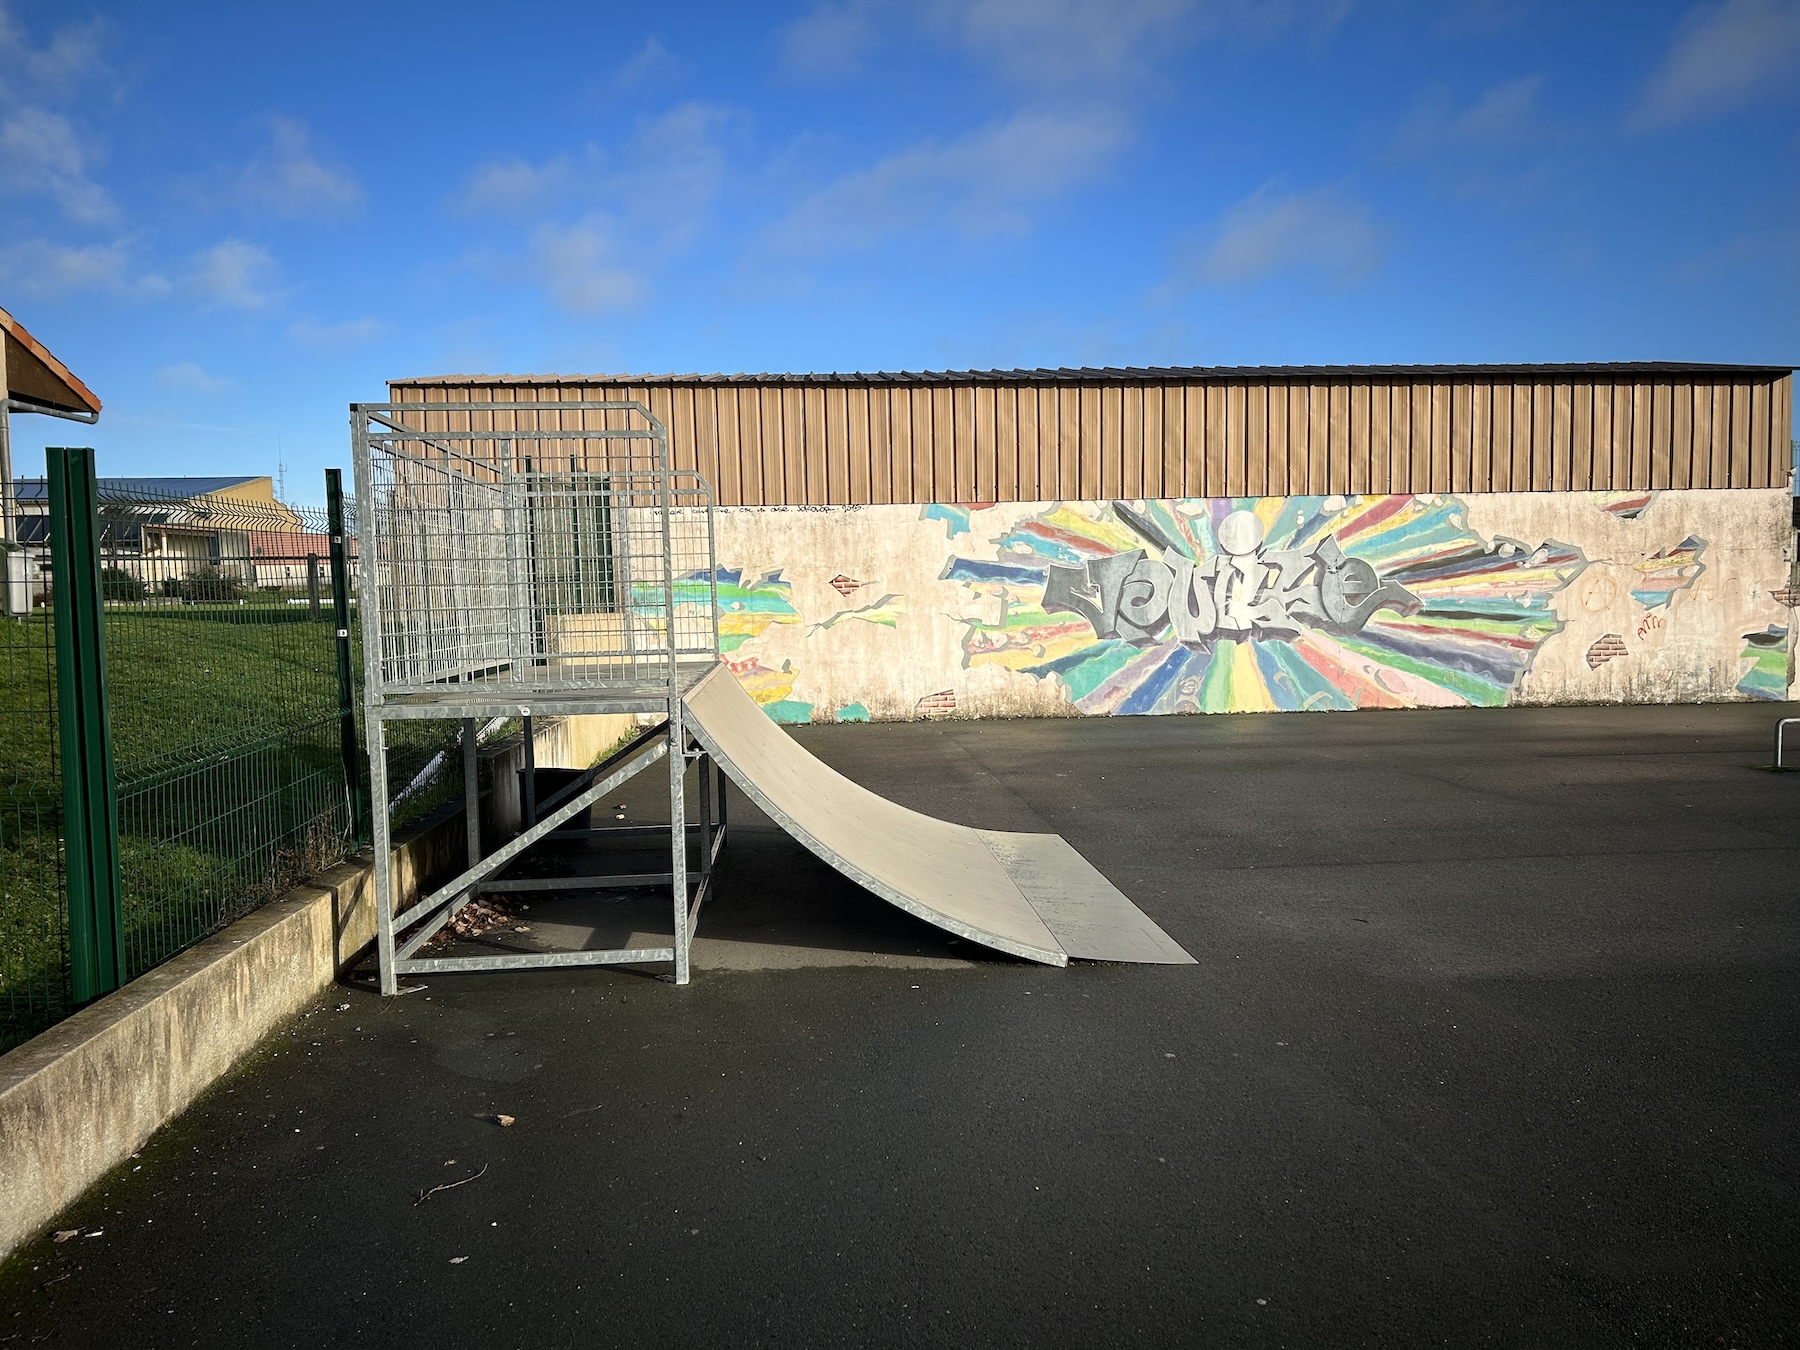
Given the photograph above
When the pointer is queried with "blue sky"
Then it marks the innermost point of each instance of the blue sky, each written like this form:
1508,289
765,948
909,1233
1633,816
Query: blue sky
233,220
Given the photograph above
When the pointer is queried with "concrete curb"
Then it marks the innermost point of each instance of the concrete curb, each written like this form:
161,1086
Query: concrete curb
82,1097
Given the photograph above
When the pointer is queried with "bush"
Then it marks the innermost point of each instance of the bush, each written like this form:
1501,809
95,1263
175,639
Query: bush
207,585
117,584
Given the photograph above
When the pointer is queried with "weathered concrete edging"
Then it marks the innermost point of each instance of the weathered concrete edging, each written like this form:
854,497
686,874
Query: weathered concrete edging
85,1095
82,1097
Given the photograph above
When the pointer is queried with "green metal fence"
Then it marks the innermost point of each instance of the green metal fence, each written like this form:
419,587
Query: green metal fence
34,938
222,631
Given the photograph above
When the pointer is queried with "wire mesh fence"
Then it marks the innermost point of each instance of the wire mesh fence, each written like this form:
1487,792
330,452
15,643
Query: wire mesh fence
225,708
34,939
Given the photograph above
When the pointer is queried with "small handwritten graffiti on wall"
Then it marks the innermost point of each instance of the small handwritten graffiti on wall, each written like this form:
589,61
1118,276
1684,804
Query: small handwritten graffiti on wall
1263,604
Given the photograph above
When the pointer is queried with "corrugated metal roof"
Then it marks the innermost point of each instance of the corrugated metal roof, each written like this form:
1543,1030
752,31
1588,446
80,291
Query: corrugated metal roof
1146,375
35,490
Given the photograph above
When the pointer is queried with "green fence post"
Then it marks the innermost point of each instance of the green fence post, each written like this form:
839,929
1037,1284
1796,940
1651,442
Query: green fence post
90,798
340,616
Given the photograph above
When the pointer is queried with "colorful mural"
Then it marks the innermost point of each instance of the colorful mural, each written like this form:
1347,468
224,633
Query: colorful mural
1318,602
1768,656
955,518
746,608
1669,570
1262,604
885,612
771,688
1626,508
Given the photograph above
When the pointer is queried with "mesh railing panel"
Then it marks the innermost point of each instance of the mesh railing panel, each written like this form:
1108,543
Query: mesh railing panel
537,561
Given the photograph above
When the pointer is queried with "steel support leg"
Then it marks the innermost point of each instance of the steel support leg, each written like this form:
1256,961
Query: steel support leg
471,792
704,765
678,885
384,862
528,784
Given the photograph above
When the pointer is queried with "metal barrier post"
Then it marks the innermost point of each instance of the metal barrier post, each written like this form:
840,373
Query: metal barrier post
340,617
1780,726
90,796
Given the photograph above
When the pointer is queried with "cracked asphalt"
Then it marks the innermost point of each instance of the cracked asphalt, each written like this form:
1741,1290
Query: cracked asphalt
1492,1039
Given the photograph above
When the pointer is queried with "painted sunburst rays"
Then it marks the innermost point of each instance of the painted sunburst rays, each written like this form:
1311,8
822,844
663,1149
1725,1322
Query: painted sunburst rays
1457,621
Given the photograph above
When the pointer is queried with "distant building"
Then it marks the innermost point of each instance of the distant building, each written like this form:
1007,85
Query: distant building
164,530
31,381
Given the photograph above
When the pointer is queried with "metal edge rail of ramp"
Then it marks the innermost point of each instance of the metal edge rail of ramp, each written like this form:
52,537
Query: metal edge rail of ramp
1029,895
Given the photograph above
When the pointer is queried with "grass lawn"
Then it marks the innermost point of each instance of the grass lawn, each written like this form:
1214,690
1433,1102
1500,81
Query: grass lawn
226,755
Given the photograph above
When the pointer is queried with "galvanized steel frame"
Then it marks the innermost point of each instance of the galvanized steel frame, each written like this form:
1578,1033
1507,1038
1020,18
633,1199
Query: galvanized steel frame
467,700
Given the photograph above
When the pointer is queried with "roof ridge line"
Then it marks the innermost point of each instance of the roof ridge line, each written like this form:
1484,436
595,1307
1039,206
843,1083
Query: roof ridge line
1107,374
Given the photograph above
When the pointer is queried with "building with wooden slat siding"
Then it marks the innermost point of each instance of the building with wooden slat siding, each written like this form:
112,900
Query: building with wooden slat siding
1043,435
1049,542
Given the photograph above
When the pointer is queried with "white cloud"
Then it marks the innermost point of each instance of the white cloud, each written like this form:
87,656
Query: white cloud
650,64
621,215
831,41
287,178
234,274
1505,115
579,266
1052,46
188,377
518,187
346,334
670,169
56,69
1501,147
40,153
1273,231
1053,42
1722,57
673,174
979,184
41,269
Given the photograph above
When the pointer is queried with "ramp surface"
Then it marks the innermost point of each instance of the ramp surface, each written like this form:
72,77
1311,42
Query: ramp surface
1029,895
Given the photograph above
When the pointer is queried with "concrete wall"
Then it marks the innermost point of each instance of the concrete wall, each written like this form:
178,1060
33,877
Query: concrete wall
560,743
79,1099
1274,603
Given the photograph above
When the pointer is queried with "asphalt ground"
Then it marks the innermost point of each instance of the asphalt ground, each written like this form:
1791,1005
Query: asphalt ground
1492,1038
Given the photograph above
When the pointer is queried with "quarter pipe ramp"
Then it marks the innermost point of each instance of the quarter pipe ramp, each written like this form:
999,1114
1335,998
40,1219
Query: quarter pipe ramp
1030,895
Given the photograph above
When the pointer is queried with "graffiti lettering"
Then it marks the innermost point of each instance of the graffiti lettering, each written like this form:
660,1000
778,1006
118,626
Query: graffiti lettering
1275,593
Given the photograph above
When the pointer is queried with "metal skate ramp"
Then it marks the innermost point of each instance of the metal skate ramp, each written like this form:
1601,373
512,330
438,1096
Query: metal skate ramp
1029,895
